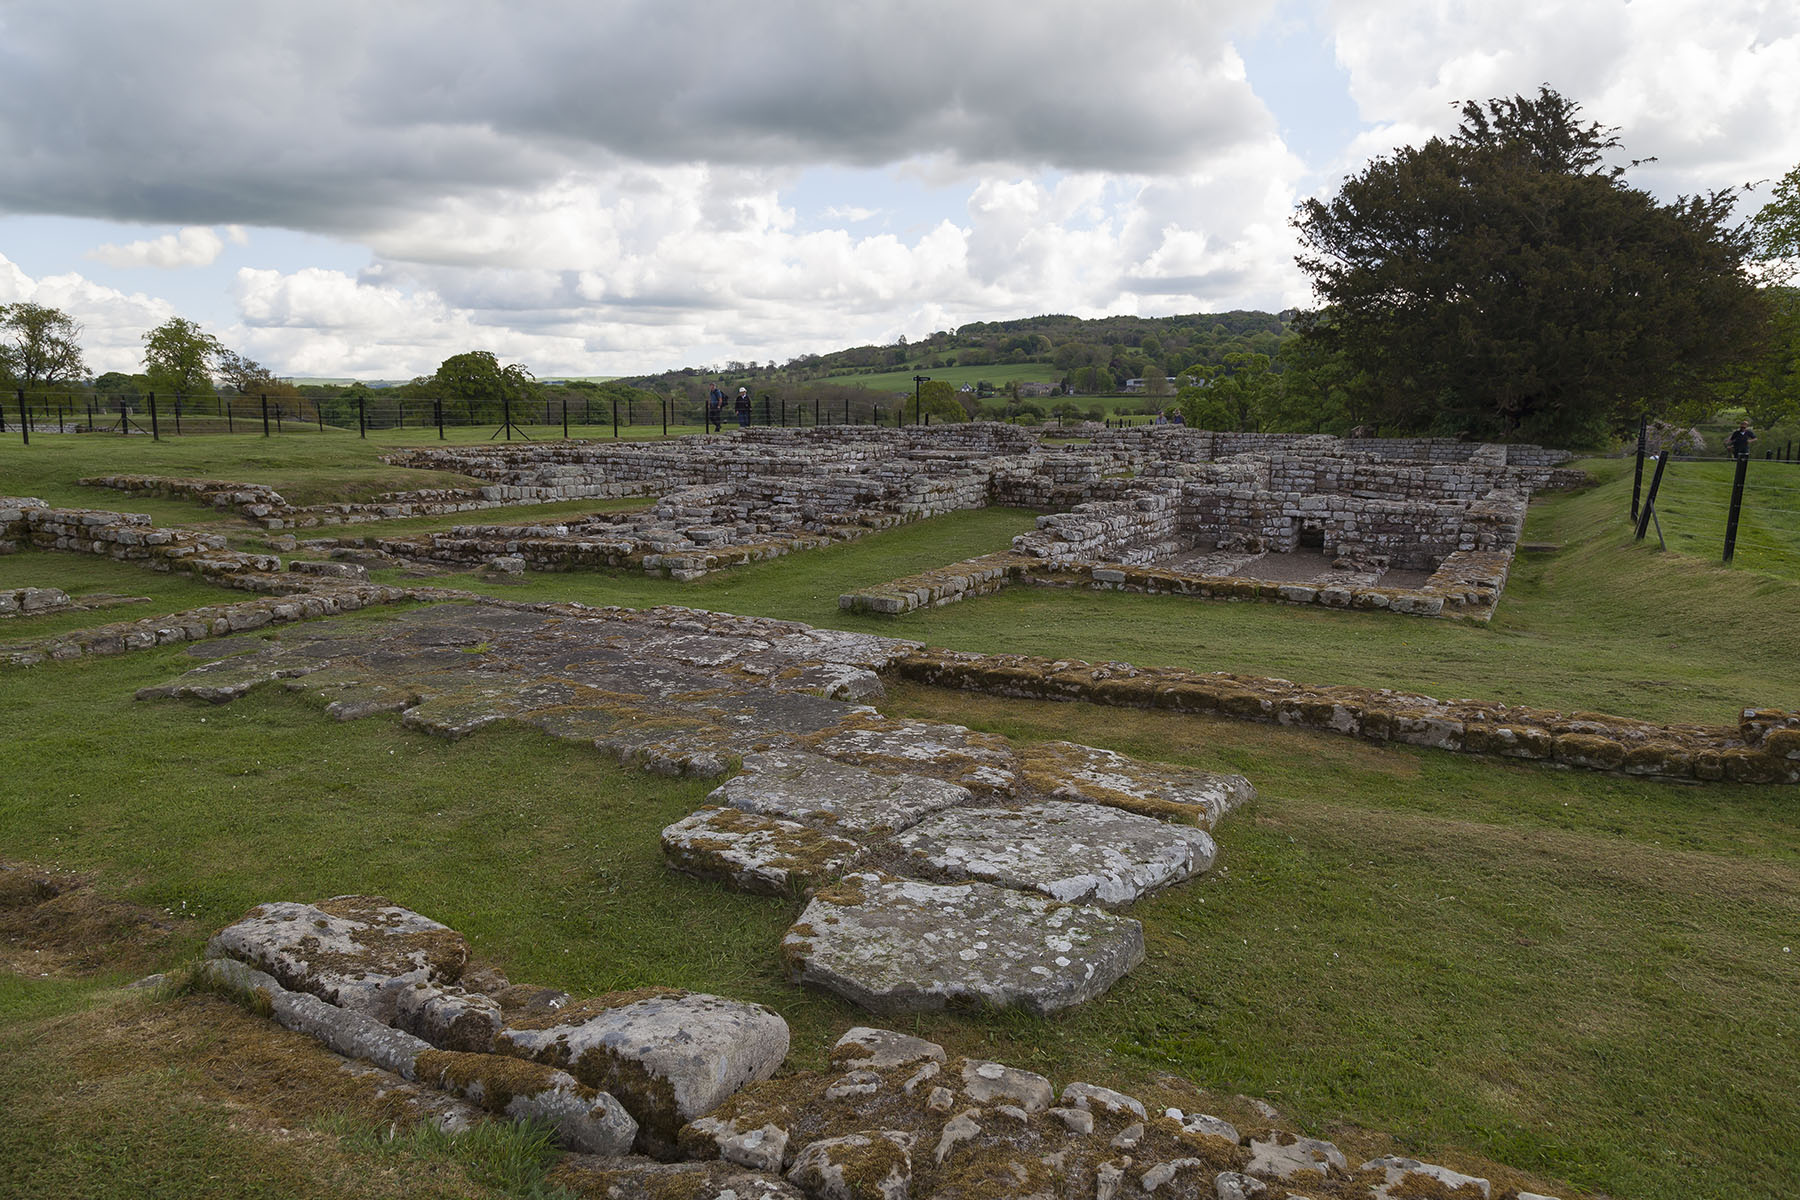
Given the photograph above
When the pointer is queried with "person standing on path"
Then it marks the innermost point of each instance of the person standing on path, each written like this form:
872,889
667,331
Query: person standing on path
1741,437
743,408
715,408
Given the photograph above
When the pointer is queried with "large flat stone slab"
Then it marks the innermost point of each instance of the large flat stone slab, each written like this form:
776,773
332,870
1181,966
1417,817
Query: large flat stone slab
668,1056
895,945
1068,771
756,853
981,762
844,798
1076,853
357,952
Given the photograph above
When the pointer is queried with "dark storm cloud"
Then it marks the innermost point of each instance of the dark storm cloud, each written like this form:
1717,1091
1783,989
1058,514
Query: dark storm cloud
334,117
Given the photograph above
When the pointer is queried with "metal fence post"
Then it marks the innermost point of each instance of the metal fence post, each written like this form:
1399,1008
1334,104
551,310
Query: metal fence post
1643,525
1737,501
565,407
155,436
362,419
265,408
1637,479
437,413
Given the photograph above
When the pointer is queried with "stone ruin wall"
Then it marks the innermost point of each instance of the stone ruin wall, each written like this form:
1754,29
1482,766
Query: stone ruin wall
29,523
1415,516
1126,497
1202,445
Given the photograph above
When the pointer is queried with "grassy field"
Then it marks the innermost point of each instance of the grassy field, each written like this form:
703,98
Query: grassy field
997,374
1592,979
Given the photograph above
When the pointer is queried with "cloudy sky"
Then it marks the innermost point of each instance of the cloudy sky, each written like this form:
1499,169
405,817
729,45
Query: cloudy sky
596,187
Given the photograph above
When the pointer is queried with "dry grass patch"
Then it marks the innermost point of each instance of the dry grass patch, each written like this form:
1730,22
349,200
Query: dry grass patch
194,1097
54,924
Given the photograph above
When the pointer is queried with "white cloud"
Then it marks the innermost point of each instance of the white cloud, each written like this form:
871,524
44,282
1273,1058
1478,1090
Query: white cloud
113,322
1707,87
191,246
327,116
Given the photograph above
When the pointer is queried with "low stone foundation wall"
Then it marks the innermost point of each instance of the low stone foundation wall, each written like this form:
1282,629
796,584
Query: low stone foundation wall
196,624
267,508
938,586
128,537
1467,585
1763,748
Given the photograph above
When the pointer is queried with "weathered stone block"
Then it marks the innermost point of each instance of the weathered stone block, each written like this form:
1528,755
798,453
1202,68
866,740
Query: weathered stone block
1076,853
358,952
894,945
667,1056
756,853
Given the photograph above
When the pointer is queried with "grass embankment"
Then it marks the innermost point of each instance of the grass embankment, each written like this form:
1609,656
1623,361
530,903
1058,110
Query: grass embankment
1694,508
1586,977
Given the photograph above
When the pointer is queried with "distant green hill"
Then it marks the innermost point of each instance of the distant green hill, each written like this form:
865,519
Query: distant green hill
1094,356
999,376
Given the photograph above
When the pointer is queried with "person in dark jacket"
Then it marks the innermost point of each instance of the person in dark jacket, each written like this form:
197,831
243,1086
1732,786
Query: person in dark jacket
715,408
1741,437
743,408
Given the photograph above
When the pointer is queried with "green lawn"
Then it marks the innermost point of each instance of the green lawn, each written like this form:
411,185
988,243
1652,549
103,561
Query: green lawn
1551,969
1590,978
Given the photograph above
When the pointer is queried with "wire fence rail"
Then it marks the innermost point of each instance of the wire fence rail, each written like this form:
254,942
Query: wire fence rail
177,415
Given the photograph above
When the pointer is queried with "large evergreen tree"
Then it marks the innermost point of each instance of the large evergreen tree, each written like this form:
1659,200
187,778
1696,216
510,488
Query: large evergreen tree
1507,283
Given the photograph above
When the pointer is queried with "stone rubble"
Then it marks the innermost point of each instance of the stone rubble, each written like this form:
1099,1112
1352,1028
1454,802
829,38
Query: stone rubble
698,1083
610,1073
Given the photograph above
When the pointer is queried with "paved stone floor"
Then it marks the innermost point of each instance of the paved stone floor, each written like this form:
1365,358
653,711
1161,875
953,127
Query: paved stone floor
984,872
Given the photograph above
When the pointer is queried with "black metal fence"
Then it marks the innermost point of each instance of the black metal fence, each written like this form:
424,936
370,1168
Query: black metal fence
574,414
1697,499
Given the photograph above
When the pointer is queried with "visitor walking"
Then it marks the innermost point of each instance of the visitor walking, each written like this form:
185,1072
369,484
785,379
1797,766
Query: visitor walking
715,408
1741,437
743,408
